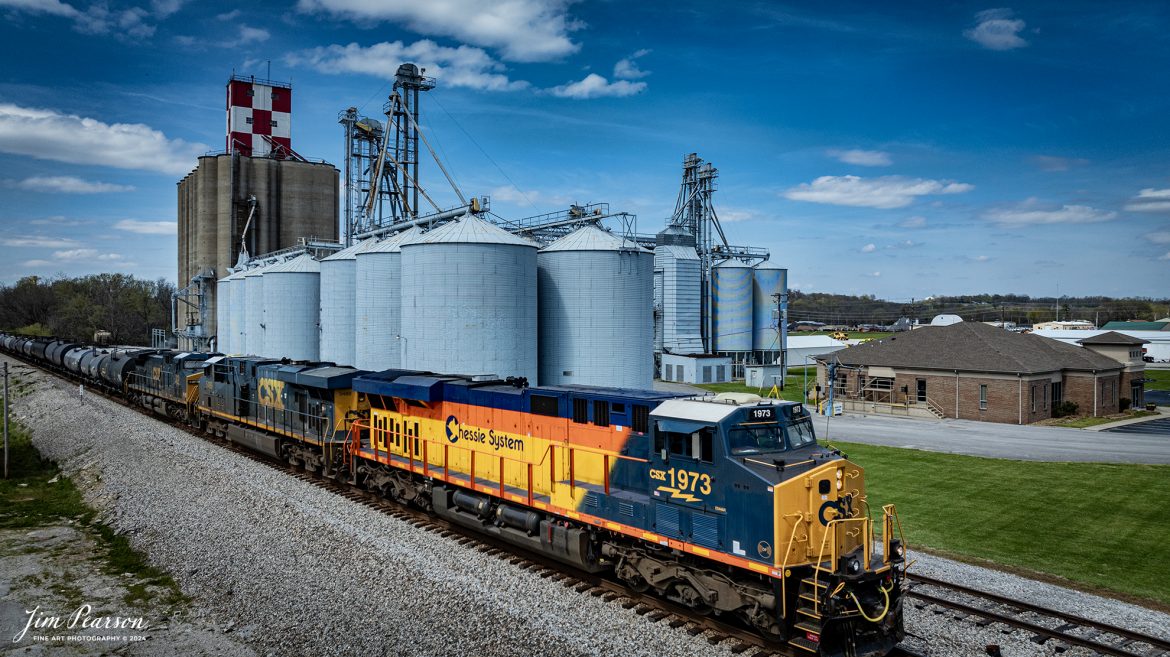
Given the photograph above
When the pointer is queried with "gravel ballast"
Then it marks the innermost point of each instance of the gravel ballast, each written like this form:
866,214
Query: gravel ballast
292,569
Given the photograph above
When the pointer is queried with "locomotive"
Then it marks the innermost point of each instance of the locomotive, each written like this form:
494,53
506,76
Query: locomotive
725,504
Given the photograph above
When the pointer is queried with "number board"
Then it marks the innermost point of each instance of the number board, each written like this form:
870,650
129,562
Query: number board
762,414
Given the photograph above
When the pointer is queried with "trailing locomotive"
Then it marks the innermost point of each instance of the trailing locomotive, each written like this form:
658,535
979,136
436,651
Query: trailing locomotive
725,504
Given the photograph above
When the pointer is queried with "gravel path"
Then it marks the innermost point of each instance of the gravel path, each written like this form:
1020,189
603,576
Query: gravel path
292,569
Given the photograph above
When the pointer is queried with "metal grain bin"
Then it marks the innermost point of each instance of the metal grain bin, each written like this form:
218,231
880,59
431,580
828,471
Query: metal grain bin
338,302
237,320
731,306
595,318
253,312
378,323
223,314
469,301
768,332
678,287
292,307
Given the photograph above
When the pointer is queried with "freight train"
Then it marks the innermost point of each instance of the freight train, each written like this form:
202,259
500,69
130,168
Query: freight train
725,504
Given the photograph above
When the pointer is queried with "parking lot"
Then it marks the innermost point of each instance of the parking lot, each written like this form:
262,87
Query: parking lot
1159,427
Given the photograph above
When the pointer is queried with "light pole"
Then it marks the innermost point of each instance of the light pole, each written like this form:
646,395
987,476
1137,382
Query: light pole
402,352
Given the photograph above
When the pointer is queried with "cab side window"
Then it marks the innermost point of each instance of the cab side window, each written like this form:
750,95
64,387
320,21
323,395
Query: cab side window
696,445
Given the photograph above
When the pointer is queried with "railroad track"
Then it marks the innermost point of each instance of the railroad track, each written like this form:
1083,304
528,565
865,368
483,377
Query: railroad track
1062,627
740,641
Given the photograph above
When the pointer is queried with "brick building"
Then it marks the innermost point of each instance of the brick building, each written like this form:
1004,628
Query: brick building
973,371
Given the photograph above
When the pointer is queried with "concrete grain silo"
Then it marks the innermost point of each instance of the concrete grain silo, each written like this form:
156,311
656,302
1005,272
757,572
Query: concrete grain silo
292,306
731,306
338,305
594,311
379,300
768,329
469,301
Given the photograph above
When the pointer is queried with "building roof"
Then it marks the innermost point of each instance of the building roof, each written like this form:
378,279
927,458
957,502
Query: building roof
393,244
974,346
348,253
768,264
592,238
302,264
1112,337
470,229
1137,326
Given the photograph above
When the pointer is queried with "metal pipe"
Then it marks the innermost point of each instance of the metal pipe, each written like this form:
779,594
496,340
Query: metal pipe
402,225
5,419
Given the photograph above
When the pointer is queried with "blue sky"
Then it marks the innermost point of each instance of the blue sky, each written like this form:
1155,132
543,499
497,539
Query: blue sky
900,151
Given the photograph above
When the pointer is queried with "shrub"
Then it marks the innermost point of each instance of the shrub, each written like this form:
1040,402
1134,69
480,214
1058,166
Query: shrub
1123,403
1064,408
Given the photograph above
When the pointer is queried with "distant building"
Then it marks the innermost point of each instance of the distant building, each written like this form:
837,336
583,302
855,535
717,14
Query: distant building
1128,351
804,349
695,368
1157,343
973,371
1160,325
1066,325
945,320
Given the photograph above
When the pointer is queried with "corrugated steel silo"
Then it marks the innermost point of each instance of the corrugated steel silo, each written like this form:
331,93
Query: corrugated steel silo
223,314
254,311
338,301
731,306
594,307
236,323
469,301
292,306
379,300
678,275
767,329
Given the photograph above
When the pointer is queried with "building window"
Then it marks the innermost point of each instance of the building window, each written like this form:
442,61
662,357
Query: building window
274,124
706,374
248,120
721,373
1032,396
983,397
1045,396
275,96
251,92
669,372
1057,392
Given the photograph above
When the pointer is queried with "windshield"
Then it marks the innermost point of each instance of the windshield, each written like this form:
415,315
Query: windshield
747,439
800,433
756,439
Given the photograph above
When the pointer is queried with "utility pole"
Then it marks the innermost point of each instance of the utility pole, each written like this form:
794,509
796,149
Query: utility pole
6,420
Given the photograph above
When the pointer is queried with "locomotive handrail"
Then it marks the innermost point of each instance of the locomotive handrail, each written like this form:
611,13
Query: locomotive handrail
784,567
831,529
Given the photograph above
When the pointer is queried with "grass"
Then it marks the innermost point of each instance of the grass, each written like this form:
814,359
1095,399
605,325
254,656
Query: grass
1101,526
36,495
1082,422
1157,379
792,386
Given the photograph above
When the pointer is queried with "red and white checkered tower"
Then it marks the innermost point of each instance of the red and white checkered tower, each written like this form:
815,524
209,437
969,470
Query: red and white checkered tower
259,118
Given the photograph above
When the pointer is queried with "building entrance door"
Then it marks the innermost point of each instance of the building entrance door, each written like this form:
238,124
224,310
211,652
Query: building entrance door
921,390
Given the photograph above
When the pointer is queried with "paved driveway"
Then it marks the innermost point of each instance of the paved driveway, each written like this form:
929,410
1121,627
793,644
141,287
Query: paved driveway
1160,427
1003,440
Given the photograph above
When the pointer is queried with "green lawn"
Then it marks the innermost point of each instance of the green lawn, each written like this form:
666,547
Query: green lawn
792,386
1161,379
1101,526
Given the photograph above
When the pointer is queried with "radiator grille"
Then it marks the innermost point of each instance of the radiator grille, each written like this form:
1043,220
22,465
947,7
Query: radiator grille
705,529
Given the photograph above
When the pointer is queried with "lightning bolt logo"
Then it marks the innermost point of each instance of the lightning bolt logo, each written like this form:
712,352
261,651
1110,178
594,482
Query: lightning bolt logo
678,494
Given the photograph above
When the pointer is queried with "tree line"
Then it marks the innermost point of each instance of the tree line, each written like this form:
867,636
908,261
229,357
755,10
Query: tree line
76,308
847,310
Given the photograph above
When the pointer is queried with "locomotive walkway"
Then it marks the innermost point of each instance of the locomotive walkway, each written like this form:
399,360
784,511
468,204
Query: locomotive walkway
1028,443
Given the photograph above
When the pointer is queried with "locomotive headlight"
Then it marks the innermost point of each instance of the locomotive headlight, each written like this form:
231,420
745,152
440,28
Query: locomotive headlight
897,550
854,566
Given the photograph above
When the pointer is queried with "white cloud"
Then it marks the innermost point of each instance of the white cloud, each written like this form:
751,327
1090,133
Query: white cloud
124,24
732,215
1054,163
464,66
1150,200
85,255
68,185
1159,237
37,263
904,244
54,7
51,135
913,222
511,194
862,158
883,192
57,221
522,30
997,29
1165,256
627,69
147,227
869,248
39,242
229,15
252,35
1030,213
164,8
596,86
979,258
876,274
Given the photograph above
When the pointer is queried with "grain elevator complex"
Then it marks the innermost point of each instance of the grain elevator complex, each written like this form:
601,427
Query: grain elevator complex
283,257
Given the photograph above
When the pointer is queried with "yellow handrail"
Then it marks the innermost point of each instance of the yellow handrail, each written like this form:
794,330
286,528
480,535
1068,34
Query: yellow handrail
784,566
830,529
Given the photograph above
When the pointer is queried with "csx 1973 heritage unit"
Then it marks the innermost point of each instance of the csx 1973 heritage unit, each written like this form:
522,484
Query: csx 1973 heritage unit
726,504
